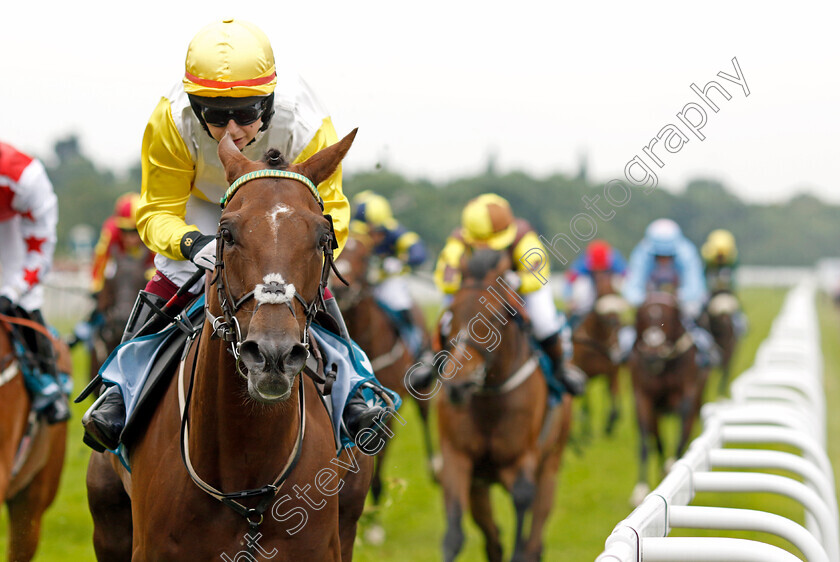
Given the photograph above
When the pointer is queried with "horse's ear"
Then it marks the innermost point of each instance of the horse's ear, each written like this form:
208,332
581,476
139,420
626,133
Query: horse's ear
323,163
232,159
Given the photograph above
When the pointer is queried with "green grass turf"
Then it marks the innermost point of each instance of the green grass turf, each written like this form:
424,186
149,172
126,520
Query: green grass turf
591,497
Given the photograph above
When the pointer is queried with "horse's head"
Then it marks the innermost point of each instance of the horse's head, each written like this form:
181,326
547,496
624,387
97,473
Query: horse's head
353,267
273,248
478,321
658,326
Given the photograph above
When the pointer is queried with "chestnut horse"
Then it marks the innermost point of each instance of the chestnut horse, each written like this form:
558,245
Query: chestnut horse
370,327
115,302
244,420
666,378
721,309
494,420
29,475
595,345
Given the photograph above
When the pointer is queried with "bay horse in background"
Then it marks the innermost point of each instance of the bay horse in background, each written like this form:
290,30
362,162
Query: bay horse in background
254,422
720,311
494,420
31,452
373,330
596,349
666,378
115,302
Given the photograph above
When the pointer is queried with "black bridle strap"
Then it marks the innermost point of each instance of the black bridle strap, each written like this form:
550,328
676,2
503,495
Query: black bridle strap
269,491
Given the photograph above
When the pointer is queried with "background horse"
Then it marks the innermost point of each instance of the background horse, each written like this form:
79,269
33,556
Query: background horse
115,302
721,309
29,474
665,377
595,345
255,422
371,327
494,419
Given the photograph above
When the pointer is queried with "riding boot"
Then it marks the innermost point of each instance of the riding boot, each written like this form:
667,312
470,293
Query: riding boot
58,410
571,378
105,420
421,375
358,415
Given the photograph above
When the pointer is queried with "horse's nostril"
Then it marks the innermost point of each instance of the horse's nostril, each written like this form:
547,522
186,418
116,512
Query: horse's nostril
251,355
296,358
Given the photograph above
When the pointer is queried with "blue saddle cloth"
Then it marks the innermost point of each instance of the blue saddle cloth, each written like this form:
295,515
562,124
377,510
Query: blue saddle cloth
556,389
408,331
131,362
43,388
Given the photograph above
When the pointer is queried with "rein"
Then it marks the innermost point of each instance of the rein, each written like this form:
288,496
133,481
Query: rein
7,321
226,327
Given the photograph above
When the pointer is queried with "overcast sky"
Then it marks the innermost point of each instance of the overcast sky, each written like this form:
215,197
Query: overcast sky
437,86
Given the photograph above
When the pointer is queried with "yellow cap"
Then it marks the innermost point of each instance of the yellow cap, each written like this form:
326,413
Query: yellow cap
373,209
488,220
231,58
720,246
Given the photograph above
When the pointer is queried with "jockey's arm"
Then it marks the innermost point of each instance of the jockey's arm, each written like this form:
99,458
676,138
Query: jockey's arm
335,202
37,205
692,291
638,271
168,171
101,255
531,281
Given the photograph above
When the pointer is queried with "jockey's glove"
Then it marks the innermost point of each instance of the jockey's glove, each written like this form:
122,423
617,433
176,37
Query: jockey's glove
392,265
200,249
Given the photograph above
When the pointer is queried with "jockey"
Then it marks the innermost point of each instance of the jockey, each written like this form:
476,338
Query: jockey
28,219
720,256
230,85
399,251
488,221
666,256
580,289
118,237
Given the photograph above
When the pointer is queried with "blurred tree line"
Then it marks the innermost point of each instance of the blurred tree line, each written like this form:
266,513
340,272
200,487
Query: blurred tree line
795,233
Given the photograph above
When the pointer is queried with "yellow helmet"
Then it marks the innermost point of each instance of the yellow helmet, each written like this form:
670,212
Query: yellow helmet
720,247
373,210
488,220
231,58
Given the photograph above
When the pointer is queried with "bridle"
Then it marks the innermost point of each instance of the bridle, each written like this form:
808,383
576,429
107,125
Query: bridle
227,326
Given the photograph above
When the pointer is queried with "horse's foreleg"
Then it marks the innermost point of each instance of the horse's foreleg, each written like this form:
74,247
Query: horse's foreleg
431,462
27,507
645,417
110,508
482,512
522,486
455,480
351,504
612,377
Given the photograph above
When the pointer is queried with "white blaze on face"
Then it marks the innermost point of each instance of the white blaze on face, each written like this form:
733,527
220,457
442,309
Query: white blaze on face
274,290
275,214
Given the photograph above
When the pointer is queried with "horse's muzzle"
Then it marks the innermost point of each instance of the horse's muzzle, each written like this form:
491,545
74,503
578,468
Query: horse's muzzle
271,367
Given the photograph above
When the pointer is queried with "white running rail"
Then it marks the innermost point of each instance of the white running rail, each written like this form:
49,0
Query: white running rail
778,401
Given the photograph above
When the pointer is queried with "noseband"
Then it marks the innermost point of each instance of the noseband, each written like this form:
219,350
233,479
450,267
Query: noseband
227,327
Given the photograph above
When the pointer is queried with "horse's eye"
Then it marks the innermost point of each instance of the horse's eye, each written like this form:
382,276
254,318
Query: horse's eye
227,237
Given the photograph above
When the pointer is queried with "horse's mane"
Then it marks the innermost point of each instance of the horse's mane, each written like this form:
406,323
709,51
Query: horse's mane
275,159
480,263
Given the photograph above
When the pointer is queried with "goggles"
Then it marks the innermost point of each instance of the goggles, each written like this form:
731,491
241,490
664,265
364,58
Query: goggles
243,115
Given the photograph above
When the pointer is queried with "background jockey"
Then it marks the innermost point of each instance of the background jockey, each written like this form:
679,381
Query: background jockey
665,253
230,85
720,256
488,221
118,237
398,250
28,219
580,292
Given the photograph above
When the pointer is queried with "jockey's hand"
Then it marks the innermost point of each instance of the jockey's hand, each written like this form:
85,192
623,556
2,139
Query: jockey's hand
513,279
392,265
200,249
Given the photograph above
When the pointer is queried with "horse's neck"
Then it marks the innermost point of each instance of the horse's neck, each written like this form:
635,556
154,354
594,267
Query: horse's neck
513,350
228,430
